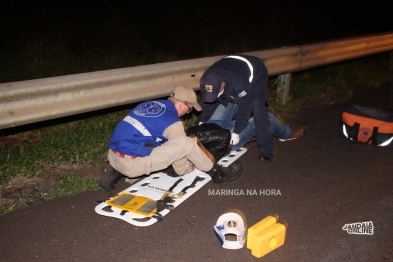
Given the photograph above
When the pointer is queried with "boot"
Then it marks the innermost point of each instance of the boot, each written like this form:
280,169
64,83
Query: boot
109,177
296,133
221,174
170,171
265,157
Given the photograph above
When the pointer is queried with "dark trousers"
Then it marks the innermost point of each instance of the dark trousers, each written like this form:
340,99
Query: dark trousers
261,117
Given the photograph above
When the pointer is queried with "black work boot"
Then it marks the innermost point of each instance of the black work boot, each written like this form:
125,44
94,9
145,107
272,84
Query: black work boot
221,174
109,177
265,157
170,171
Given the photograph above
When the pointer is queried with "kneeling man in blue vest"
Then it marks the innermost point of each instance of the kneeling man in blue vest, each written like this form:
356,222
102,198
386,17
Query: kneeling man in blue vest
152,138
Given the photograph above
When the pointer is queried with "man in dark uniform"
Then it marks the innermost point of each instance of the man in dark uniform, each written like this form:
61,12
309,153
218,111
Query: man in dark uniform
235,89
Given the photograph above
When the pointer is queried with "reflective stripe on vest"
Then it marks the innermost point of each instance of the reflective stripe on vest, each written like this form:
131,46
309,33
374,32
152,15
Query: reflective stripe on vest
138,125
247,62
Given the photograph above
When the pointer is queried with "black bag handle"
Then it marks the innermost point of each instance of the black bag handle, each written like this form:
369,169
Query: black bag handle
374,135
353,132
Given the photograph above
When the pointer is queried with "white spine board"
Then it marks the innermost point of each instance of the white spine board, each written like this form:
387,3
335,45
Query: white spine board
155,185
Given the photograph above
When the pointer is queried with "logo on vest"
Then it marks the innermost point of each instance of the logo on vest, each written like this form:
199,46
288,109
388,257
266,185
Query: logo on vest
150,109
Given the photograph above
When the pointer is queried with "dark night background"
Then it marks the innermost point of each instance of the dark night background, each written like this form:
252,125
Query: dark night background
41,39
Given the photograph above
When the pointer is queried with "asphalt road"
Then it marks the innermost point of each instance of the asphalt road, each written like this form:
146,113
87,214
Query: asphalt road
324,181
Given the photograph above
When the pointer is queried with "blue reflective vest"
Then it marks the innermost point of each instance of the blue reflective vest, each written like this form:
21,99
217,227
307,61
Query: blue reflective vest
142,129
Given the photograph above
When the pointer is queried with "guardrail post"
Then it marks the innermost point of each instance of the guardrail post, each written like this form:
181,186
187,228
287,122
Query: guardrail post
283,85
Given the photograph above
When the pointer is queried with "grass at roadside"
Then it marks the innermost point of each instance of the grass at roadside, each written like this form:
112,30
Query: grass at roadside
84,142
69,185
338,79
76,142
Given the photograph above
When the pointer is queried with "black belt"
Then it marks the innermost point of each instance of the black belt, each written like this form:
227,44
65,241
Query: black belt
163,203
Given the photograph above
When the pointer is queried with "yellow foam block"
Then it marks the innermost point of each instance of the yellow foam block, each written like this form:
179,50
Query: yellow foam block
261,225
268,240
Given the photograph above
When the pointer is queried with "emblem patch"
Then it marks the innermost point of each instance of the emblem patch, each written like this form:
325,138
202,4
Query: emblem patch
150,109
208,88
364,133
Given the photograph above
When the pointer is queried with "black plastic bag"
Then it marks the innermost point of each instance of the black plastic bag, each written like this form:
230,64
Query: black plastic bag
213,137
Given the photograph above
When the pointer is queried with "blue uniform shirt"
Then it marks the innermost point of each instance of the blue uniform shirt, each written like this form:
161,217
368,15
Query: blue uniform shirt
143,128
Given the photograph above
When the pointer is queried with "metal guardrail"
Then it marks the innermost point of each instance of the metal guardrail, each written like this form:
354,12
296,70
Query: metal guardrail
31,101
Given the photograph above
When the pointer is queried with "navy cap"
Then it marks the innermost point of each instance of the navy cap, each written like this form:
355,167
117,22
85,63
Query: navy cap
211,84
